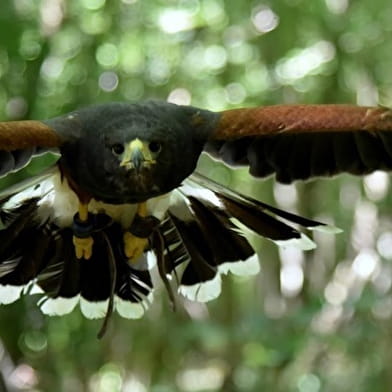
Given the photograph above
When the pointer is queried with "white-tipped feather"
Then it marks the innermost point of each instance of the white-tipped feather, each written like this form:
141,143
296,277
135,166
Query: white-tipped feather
37,191
59,204
10,293
202,193
203,292
303,243
58,306
158,206
151,260
179,206
132,310
248,267
146,262
329,229
93,310
141,263
34,289
28,184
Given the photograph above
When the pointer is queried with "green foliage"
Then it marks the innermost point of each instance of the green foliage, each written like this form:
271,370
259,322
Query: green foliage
314,322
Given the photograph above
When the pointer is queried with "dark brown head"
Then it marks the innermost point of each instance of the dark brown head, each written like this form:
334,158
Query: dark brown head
122,153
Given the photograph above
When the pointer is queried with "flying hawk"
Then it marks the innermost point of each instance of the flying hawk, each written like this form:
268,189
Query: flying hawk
124,196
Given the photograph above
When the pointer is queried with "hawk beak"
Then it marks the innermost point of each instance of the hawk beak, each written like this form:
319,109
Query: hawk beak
136,155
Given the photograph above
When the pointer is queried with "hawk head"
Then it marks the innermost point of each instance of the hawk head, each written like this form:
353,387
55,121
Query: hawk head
127,153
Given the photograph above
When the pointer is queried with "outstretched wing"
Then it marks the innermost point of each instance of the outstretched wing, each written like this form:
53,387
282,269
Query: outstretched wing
304,141
21,140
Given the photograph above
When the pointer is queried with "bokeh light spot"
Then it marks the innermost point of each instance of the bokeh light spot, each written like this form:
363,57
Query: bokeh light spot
265,20
51,15
201,379
16,107
24,377
173,21
365,264
291,279
305,62
376,185
384,245
285,195
180,96
309,383
93,4
108,81
337,6
107,55
215,57
235,93
335,293
52,67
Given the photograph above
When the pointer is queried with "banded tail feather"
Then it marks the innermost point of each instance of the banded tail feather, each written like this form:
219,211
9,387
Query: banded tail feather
200,237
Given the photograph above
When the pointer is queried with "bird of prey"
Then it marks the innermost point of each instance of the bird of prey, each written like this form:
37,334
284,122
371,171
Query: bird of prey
124,195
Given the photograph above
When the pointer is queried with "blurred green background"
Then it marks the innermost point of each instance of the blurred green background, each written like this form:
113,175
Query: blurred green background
310,322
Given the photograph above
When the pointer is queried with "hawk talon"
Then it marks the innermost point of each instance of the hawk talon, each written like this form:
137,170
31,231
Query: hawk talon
143,226
83,247
134,246
83,227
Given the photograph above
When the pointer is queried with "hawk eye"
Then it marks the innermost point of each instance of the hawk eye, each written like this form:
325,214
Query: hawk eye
154,147
118,149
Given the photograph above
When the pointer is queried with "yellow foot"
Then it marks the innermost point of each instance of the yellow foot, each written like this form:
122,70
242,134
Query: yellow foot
83,247
134,246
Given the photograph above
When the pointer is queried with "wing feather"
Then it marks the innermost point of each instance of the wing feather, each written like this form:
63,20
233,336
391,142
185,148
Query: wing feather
304,141
20,141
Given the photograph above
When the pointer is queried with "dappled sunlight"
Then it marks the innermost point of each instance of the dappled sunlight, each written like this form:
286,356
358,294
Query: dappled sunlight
310,321
304,62
174,21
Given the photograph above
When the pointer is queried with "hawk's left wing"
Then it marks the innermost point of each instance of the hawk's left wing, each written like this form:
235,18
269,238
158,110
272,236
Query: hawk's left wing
304,141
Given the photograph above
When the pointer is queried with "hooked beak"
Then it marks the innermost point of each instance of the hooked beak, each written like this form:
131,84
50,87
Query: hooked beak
136,158
136,155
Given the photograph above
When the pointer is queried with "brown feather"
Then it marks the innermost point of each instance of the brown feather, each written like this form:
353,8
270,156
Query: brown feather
273,120
297,142
19,135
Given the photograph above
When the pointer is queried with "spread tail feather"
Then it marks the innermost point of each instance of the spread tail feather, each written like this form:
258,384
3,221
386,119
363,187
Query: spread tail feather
205,232
201,237
41,254
233,196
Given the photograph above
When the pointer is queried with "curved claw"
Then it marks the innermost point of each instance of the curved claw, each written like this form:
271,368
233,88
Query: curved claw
83,247
134,246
